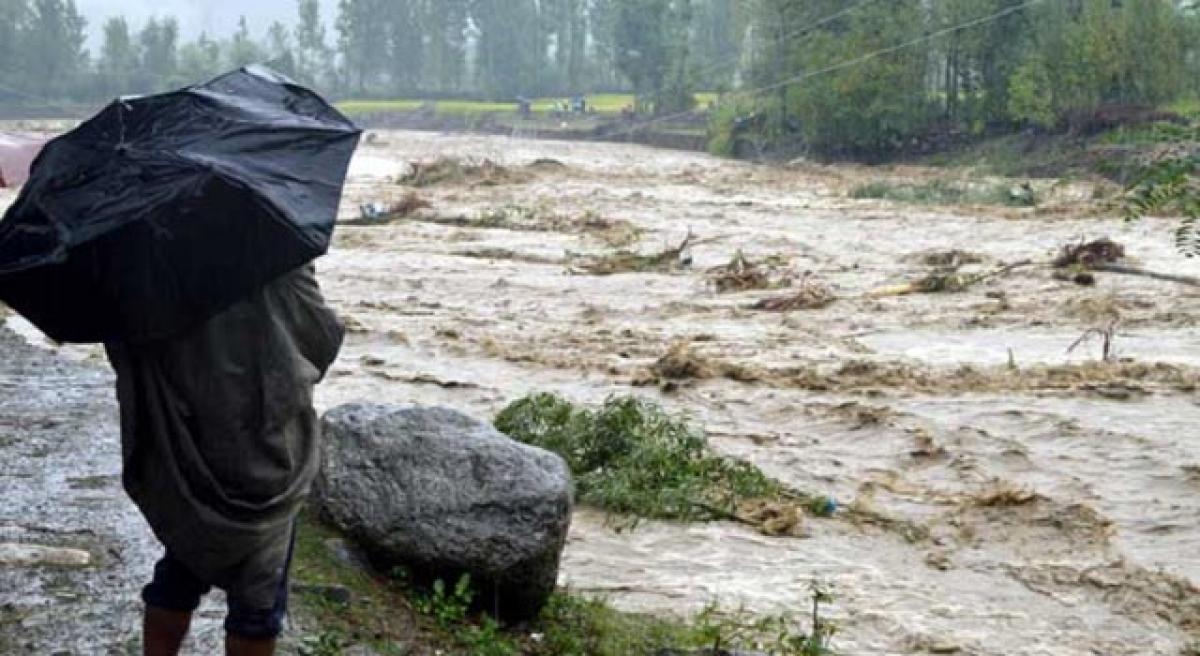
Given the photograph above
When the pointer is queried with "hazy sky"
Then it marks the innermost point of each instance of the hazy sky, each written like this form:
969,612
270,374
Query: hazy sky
217,17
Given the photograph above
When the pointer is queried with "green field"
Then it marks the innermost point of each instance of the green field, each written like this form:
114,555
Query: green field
607,103
1188,108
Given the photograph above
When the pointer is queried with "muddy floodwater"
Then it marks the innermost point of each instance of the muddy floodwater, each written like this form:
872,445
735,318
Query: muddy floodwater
1011,494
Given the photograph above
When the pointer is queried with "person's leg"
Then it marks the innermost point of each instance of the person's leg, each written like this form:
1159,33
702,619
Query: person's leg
163,631
252,632
171,598
239,646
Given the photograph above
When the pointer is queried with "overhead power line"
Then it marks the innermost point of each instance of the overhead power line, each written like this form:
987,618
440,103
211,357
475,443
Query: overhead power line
850,63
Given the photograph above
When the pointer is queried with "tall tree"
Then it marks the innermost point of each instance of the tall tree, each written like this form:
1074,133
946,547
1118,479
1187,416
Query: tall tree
243,49
280,50
118,64
54,46
14,22
716,43
651,39
200,60
874,105
362,42
602,44
510,56
159,41
406,45
312,49
1092,52
446,23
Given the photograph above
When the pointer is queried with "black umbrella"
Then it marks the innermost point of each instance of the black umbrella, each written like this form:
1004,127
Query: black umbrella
163,210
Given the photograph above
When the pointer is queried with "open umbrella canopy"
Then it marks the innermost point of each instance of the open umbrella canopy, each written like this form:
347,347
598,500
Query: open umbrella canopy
16,155
163,210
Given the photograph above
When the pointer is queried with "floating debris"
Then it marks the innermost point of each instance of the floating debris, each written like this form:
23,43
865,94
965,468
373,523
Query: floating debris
1090,254
506,254
1190,281
947,259
947,281
380,214
810,295
742,274
674,258
542,218
681,362
771,517
1002,494
451,170
1107,335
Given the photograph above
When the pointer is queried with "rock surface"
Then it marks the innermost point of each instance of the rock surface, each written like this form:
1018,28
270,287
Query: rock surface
36,555
442,494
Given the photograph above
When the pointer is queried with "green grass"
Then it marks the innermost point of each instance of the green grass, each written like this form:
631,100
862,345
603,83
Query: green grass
1150,134
630,458
359,107
605,104
1189,109
379,616
394,619
941,192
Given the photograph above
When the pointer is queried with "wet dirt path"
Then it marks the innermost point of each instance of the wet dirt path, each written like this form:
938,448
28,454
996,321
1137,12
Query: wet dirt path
1025,499
61,487
1019,498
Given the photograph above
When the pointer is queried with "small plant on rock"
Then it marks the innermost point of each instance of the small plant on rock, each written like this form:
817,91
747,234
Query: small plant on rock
447,607
450,609
326,643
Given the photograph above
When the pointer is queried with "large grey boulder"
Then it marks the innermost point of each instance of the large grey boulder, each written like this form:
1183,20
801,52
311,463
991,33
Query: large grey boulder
442,494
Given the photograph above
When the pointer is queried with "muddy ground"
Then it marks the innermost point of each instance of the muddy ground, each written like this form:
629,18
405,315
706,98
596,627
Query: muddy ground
61,488
1009,497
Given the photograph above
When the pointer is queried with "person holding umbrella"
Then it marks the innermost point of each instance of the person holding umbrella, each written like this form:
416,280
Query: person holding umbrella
179,230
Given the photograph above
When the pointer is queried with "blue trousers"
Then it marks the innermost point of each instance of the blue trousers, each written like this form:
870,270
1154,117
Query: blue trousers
176,588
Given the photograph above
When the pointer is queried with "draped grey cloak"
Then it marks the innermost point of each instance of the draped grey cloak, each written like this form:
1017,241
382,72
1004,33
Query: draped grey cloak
219,435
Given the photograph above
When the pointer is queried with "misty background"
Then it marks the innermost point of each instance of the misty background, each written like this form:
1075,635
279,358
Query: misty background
215,17
858,78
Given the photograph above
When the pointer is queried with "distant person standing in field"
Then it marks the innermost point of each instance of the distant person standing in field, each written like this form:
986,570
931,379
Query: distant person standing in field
219,441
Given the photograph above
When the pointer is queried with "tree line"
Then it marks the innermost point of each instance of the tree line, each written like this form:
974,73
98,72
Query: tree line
495,49
960,67
843,76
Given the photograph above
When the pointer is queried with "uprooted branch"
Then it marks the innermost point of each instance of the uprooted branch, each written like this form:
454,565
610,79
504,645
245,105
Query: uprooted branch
810,294
948,281
743,274
1154,275
670,259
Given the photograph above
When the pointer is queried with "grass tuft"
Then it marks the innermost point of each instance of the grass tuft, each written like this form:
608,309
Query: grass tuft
629,457
607,104
941,192
392,618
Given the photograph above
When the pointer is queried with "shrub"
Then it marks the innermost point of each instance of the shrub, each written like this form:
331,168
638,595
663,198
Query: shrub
630,457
